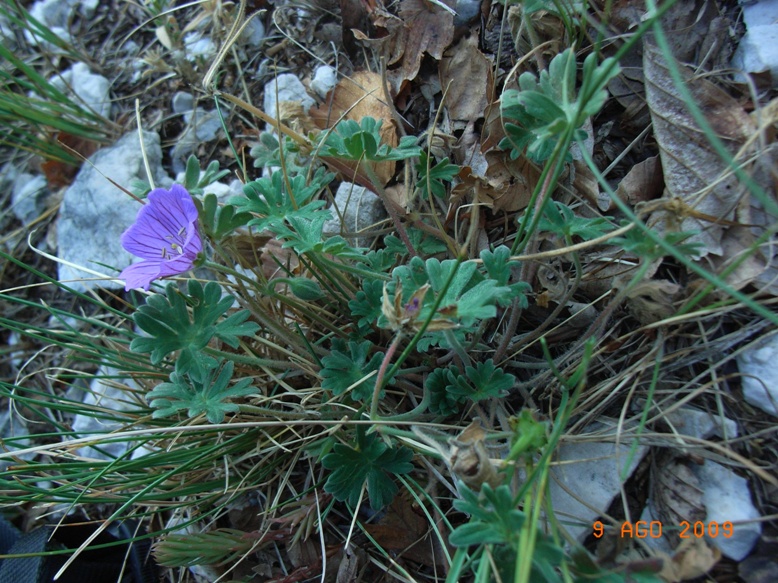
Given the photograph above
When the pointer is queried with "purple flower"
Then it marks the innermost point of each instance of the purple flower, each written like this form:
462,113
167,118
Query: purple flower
165,235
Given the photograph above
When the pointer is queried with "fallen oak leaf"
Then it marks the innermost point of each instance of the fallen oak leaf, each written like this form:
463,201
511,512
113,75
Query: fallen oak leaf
430,29
467,74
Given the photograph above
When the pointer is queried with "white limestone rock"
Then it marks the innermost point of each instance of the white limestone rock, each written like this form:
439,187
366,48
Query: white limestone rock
94,213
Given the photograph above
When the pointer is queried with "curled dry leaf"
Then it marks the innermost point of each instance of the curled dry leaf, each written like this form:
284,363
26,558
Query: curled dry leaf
506,185
469,460
422,27
391,33
652,300
293,115
429,29
642,183
466,78
540,29
676,494
553,281
693,559
694,172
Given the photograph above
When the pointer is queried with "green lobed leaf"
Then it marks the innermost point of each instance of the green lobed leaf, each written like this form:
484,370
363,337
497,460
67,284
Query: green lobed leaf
371,462
166,319
196,391
367,302
350,140
482,381
348,365
499,267
442,400
269,199
559,218
494,517
432,182
546,107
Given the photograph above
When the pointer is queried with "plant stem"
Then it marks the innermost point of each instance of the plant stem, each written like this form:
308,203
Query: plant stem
379,381
253,360
276,414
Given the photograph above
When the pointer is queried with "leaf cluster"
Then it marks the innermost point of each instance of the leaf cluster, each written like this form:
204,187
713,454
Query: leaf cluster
350,140
370,461
546,107
560,219
188,322
273,200
448,389
195,390
432,178
286,207
473,292
347,365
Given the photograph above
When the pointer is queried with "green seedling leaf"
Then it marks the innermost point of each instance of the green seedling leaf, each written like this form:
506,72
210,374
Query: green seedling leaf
171,326
347,366
268,153
529,435
272,204
378,261
432,182
219,221
350,140
638,242
195,183
443,401
198,392
305,235
559,218
499,266
482,381
545,107
370,462
192,174
424,243
494,517
367,302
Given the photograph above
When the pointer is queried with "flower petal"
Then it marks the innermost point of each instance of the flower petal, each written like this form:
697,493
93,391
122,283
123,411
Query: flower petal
164,220
141,274
174,208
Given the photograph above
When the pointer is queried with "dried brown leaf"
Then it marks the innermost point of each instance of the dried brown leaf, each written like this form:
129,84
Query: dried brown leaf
506,186
652,300
430,29
642,183
693,558
466,76
675,492
389,38
693,170
404,530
